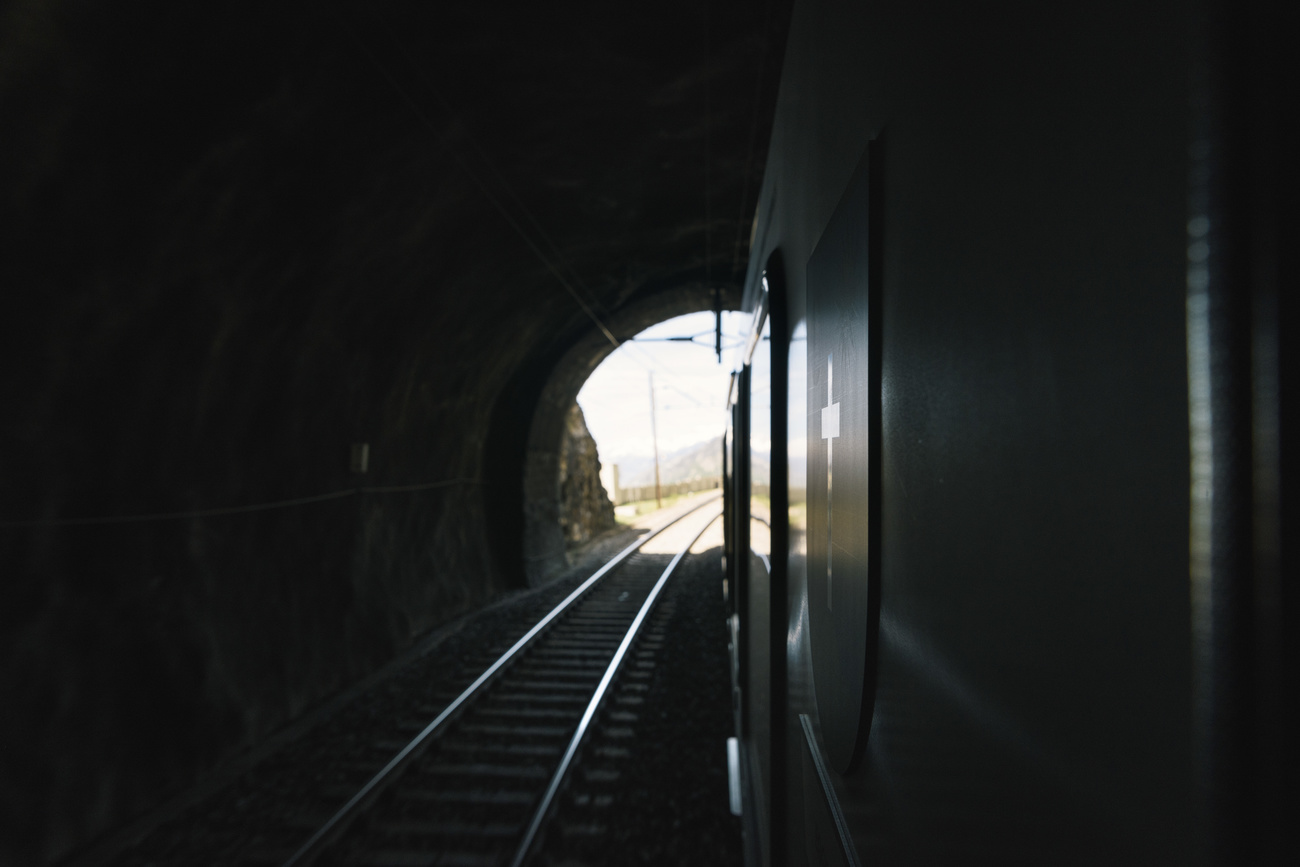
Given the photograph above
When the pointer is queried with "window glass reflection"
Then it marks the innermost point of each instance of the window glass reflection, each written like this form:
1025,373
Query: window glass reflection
760,446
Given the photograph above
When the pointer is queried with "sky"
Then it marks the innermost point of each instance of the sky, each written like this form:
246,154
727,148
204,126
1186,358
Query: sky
690,388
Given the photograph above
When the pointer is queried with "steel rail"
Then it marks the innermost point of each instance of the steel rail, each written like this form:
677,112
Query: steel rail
343,818
557,779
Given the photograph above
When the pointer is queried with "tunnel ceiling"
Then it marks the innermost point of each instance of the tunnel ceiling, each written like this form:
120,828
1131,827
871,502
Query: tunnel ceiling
397,143
350,193
240,237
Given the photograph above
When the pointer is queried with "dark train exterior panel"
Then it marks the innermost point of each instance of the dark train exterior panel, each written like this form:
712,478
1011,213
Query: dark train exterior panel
978,218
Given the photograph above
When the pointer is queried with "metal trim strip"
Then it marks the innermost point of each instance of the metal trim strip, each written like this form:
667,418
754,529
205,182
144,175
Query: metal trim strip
828,790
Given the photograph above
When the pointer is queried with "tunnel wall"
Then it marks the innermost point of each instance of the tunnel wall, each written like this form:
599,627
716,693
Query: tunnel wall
585,508
239,238
1034,673
189,327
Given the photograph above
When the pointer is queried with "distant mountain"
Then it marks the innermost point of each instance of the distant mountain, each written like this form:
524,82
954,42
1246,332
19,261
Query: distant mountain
700,460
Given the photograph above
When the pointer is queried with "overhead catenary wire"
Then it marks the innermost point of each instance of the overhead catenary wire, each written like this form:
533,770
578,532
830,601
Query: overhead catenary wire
500,178
708,191
637,355
486,191
665,373
691,338
753,138
489,164
559,260
708,142
649,364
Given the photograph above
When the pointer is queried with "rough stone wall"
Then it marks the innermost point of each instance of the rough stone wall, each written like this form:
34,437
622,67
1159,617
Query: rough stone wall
236,238
585,509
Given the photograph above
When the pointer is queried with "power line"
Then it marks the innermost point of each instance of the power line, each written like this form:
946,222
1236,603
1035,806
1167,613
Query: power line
483,188
753,136
238,510
632,350
692,339
708,142
487,161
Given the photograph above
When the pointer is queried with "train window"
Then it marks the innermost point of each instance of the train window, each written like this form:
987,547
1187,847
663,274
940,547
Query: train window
797,443
757,597
760,447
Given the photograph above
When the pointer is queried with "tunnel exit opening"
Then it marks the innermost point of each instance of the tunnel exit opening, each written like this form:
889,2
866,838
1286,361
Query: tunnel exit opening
587,417
655,410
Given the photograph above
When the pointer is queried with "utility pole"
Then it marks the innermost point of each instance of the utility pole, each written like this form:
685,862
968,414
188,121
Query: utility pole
654,436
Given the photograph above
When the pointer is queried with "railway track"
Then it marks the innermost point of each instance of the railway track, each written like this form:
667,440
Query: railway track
477,785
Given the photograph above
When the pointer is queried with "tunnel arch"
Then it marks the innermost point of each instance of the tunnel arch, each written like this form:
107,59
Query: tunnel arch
544,552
